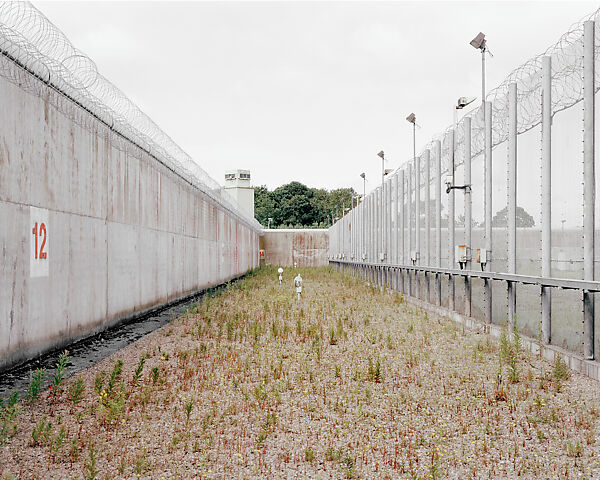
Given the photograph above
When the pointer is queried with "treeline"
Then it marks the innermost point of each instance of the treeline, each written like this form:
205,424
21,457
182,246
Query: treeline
297,206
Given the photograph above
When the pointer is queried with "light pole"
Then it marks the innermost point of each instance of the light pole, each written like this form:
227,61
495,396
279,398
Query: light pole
363,218
382,155
380,206
480,43
364,177
269,224
413,119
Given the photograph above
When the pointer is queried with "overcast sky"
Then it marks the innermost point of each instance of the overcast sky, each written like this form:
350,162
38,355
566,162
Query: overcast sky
305,91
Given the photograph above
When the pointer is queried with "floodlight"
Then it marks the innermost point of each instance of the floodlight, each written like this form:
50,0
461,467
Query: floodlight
478,42
412,118
362,175
464,101
380,154
387,171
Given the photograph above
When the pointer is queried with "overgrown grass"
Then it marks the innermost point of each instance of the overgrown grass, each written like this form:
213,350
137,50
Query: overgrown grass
348,382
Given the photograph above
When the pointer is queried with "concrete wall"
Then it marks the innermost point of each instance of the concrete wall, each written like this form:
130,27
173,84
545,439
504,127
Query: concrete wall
307,247
123,232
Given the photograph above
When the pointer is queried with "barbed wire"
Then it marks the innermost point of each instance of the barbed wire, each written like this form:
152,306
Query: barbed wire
36,55
567,90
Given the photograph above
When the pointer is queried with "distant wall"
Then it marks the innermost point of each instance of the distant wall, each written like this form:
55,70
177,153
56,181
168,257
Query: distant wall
306,247
121,232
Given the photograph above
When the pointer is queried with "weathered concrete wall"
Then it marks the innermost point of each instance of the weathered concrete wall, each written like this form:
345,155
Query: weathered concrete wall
123,233
307,247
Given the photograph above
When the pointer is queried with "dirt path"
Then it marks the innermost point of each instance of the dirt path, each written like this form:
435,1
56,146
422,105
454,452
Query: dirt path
346,383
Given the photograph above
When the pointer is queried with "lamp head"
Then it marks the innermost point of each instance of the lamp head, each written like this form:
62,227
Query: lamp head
381,154
362,175
478,42
412,118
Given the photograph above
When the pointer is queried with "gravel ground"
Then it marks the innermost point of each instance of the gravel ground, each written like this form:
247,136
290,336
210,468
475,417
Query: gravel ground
348,382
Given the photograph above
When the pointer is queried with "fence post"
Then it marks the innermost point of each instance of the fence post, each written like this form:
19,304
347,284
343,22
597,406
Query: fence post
589,184
546,196
373,231
395,225
417,222
451,214
511,192
401,225
389,257
410,226
468,210
384,188
376,223
437,149
351,229
488,209
426,159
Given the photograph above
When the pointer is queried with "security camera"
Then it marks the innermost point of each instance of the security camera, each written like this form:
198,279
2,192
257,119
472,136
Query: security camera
448,182
464,101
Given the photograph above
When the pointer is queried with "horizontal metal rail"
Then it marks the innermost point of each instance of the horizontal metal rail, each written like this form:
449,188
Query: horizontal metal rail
563,283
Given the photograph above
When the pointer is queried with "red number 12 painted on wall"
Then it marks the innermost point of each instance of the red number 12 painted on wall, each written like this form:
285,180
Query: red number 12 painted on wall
42,232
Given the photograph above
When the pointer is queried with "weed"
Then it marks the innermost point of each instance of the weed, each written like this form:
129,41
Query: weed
90,470
230,330
41,433
154,373
500,394
262,436
188,407
35,385
560,370
374,373
332,336
309,455
138,371
340,328
76,391
141,464
260,393
57,442
58,376
270,421
9,411
574,449
99,382
333,455
434,466
348,466
389,341
509,353
74,449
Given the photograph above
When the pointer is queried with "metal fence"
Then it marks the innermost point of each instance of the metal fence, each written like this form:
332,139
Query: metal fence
30,40
495,218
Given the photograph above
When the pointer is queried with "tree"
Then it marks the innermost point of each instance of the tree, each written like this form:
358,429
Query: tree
264,205
294,204
523,219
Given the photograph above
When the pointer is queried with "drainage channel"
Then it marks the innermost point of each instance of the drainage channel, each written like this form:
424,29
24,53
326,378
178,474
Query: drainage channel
90,350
